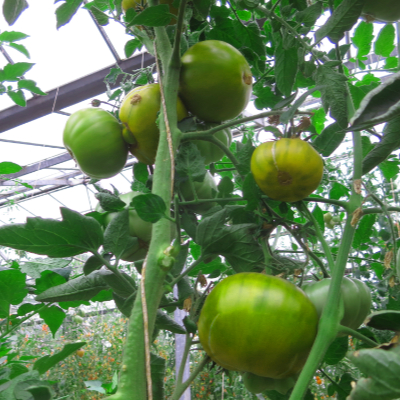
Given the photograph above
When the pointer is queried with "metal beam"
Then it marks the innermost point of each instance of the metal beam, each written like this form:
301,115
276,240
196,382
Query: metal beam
68,95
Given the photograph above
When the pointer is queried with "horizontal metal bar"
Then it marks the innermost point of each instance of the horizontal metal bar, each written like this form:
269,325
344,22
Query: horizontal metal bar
32,144
68,95
40,182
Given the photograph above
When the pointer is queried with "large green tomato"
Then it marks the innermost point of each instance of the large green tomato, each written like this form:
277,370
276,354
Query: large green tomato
258,323
382,10
287,169
210,151
138,228
356,299
204,190
215,81
138,114
93,137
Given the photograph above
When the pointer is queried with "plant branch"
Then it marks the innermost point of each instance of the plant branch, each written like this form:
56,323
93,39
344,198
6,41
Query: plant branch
358,335
339,203
186,271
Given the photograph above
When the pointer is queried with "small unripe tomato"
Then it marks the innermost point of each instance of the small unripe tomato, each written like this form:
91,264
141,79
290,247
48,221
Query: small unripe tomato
204,190
258,323
287,169
215,81
138,114
93,137
80,353
328,217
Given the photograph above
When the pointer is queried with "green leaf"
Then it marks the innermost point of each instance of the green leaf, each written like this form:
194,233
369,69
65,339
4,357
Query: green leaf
309,15
110,202
12,9
122,287
334,93
75,234
140,172
362,39
341,21
389,169
190,162
265,97
81,288
31,86
101,18
48,279
116,235
12,72
382,368
203,7
251,192
384,320
12,289
43,364
93,264
12,36
18,97
150,207
384,44
329,139
236,242
381,104
337,350
9,168
131,46
244,153
286,66
389,143
22,49
153,16
53,316
363,232
163,321
319,216
40,392
66,11
36,266
338,191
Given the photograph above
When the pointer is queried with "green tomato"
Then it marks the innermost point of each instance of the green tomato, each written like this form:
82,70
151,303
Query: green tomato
328,217
215,81
210,151
257,384
355,299
258,323
204,190
138,228
93,137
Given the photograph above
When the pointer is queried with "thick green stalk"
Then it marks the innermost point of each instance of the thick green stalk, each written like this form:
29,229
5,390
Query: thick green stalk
329,322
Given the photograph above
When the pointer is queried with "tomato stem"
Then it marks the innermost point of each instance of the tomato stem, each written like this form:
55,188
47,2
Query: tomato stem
358,335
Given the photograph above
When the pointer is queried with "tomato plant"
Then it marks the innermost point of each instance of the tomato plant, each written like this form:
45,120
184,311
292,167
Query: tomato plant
207,189
356,299
216,90
138,114
287,169
257,323
139,5
93,137
137,228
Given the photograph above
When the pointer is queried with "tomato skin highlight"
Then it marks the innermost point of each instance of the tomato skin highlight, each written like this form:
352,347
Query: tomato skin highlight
138,114
258,323
215,81
93,137
287,169
355,299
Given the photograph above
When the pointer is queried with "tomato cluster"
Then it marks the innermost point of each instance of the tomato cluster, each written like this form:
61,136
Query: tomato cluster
258,323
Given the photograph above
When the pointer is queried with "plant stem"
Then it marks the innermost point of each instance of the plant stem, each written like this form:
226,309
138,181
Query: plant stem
339,203
183,386
327,251
358,335
187,270
185,203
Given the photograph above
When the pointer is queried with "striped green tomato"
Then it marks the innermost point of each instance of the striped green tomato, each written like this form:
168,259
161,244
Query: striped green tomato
258,323
287,169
